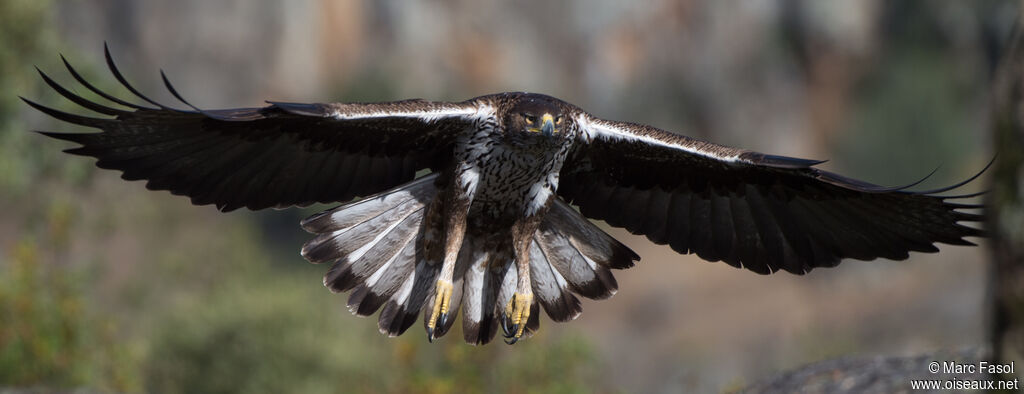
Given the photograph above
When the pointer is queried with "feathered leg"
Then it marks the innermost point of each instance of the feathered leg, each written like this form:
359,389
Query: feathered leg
517,312
459,196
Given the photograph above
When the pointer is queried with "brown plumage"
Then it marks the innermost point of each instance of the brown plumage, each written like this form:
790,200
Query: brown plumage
490,232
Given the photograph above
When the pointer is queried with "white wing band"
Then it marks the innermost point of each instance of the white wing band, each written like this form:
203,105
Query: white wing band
595,128
427,115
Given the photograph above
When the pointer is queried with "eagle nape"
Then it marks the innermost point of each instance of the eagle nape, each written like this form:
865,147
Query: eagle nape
480,211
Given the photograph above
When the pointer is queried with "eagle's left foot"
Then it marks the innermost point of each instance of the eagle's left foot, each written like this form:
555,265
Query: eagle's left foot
517,314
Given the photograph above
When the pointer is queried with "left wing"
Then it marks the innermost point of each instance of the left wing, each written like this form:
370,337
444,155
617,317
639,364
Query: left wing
276,156
749,209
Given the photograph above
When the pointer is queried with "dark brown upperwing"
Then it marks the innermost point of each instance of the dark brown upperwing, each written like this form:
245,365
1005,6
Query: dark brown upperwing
751,210
277,156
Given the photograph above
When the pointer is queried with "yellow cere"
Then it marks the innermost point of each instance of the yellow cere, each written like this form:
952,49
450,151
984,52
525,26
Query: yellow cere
547,118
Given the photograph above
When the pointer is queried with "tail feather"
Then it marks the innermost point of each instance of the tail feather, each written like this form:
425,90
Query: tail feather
581,253
351,243
583,275
456,300
371,294
349,215
391,320
478,299
379,246
490,313
506,279
588,239
400,312
373,256
550,287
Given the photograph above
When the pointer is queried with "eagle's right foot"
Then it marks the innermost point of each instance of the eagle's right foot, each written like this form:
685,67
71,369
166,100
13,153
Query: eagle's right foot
442,304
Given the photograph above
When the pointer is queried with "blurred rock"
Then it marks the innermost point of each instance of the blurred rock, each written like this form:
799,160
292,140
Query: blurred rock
879,374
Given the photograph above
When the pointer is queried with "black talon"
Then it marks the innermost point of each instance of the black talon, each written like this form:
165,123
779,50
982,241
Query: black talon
430,335
511,341
442,321
505,327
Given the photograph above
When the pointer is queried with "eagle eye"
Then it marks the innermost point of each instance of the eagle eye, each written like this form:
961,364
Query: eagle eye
530,119
558,120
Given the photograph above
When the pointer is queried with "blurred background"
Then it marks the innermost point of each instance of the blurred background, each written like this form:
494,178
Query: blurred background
106,286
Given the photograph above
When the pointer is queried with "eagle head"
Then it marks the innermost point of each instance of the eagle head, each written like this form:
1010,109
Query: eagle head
536,115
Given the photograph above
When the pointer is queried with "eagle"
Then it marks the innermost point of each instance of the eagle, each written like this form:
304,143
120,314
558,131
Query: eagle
484,206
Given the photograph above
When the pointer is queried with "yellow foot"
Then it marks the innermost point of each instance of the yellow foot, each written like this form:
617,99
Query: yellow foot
442,303
517,313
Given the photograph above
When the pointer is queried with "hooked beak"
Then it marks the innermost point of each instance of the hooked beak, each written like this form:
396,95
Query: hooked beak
548,125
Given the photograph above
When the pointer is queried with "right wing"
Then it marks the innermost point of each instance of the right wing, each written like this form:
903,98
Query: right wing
277,156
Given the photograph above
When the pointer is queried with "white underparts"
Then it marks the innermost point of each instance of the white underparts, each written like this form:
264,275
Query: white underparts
469,179
540,192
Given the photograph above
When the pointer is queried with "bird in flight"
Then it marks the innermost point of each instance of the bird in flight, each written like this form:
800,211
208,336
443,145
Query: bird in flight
483,205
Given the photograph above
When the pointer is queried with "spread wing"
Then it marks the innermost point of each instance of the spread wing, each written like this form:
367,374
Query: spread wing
276,156
749,209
